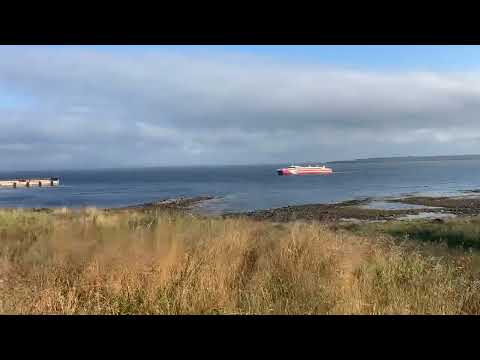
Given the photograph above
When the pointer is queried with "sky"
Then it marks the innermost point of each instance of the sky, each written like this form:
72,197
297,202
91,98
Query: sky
122,106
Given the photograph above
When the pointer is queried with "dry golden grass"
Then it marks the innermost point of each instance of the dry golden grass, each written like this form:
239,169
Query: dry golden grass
93,262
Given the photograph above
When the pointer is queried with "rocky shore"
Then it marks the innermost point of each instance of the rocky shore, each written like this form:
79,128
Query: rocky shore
460,206
325,212
436,207
353,210
169,204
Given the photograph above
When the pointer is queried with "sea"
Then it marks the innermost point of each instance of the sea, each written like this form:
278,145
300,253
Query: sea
247,187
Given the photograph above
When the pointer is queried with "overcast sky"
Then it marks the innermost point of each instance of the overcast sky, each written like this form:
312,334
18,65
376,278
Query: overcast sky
92,107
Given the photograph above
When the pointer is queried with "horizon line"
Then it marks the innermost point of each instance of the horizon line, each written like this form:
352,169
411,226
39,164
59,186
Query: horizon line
233,165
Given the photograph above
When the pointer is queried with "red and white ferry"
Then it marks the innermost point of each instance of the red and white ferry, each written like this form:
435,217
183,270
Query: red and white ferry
305,170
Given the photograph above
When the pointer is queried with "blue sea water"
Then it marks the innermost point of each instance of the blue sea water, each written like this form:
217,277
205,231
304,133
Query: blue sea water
243,188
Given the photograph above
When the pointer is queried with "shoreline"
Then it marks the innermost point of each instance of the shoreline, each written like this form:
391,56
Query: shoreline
421,207
434,208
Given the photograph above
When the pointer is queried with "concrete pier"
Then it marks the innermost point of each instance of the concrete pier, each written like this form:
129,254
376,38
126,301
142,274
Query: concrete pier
30,182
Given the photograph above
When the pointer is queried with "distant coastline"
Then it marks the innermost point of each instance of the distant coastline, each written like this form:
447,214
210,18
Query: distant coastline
410,158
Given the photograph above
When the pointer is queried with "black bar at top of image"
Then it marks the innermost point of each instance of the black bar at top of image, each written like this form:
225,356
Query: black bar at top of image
241,26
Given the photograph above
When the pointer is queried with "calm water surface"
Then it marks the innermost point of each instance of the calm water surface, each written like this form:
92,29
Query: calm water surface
244,188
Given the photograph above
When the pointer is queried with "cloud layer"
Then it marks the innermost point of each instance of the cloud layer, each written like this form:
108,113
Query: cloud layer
84,108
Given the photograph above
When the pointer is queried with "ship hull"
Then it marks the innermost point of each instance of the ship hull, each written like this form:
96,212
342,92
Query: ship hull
304,171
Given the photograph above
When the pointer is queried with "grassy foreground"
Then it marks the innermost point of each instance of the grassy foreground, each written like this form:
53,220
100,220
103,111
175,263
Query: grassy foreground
95,262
